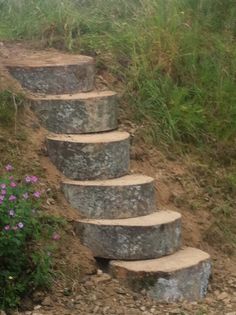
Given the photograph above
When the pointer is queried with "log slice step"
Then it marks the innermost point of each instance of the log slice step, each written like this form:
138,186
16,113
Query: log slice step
183,275
91,156
77,113
52,72
119,198
144,237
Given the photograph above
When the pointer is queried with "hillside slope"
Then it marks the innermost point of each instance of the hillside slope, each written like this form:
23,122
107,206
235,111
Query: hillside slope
183,182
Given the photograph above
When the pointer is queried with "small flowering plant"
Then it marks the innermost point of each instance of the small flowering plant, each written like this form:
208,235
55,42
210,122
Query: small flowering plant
18,202
21,264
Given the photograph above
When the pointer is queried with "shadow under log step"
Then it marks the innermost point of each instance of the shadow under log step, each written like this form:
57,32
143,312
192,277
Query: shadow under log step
77,113
119,198
183,275
52,72
144,237
91,156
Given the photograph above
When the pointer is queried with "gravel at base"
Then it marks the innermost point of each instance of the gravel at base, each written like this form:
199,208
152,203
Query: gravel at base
101,295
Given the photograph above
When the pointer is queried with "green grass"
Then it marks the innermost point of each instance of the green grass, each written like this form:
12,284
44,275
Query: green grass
7,108
176,59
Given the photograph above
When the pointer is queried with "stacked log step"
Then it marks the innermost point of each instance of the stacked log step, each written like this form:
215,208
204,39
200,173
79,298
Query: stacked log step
119,198
53,73
121,221
90,156
77,113
146,237
181,276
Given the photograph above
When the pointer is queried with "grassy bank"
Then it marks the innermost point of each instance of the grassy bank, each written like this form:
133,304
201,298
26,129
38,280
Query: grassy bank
175,58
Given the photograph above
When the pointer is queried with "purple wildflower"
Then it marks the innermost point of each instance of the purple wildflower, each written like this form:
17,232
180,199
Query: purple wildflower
3,186
25,195
9,168
7,227
11,213
34,179
20,225
3,192
31,179
13,184
12,198
11,177
37,194
56,236
28,179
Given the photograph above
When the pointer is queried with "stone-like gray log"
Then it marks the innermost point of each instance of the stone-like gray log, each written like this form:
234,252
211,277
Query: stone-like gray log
54,73
120,198
181,276
145,237
95,156
77,113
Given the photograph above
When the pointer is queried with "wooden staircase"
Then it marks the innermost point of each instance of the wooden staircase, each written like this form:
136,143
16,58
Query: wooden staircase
121,221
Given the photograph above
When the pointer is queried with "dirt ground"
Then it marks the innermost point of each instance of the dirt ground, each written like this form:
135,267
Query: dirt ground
81,287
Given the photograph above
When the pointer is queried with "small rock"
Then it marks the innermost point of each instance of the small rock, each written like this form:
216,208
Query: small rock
136,296
216,292
38,297
209,300
143,308
51,201
37,307
132,312
70,304
67,291
222,296
99,272
96,309
47,301
144,292
2,313
88,284
78,298
105,309
120,291
102,278
94,298
175,311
